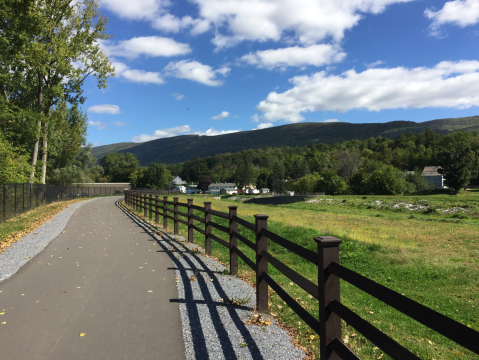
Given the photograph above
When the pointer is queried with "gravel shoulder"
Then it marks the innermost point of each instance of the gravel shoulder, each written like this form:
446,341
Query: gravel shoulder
213,329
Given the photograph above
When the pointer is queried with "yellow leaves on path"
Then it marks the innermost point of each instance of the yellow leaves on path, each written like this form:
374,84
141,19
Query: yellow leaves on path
150,290
82,334
27,257
36,302
4,322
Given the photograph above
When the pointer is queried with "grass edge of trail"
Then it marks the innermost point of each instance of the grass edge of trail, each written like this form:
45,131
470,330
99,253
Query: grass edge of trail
448,291
17,227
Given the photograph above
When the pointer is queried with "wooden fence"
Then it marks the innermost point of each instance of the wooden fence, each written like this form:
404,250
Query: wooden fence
327,292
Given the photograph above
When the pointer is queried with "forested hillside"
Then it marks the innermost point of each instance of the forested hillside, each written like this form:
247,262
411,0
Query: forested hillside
182,148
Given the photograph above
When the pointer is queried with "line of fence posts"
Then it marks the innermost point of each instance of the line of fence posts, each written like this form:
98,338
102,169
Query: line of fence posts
327,292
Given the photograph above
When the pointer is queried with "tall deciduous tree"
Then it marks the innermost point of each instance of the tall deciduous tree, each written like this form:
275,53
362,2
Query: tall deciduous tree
50,48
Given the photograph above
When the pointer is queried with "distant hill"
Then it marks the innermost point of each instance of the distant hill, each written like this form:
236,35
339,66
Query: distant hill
181,148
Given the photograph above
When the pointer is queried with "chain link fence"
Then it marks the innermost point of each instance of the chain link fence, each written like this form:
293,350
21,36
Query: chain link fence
16,199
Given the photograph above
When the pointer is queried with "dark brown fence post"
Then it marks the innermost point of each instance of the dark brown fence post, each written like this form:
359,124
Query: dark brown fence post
261,263
145,207
329,290
190,221
233,240
157,215
165,210
175,200
150,215
207,228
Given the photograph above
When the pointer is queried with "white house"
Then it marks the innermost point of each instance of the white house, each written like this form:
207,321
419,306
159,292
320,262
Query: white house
178,181
251,189
228,188
430,173
181,189
263,191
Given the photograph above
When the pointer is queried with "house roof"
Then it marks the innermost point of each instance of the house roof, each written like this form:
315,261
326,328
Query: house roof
264,189
431,171
223,184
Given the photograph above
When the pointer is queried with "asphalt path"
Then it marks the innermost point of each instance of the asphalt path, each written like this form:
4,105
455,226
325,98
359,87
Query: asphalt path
100,290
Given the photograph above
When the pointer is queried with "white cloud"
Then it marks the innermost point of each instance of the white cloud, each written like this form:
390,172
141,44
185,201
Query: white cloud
171,23
179,130
104,109
119,123
153,46
98,124
446,85
263,126
221,116
138,76
331,120
96,144
316,55
265,20
178,96
163,133
255,118
459,12
137,9
195,71
374,64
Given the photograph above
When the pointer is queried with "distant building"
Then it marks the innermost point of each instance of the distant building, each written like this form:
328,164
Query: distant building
430,173
251,190
228,188
192,189
178,181
181,189
263,191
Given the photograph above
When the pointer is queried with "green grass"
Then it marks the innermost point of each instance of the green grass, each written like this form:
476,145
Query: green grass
433,264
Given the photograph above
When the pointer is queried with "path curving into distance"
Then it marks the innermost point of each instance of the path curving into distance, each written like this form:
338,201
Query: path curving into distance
102,277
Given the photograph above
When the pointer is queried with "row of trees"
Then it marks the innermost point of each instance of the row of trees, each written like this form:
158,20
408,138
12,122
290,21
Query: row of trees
376,165
48,50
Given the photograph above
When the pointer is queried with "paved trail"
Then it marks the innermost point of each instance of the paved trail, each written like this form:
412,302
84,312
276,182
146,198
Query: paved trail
103,277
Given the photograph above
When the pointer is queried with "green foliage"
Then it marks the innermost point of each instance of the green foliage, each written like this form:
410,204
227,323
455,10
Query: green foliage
14,167
157,176
118,166
331,183
278,178
203,182
387,180
308,183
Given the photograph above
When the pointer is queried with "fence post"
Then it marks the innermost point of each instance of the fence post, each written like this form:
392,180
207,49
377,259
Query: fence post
190,220
233,210
150,200
145,207
261,263
207,228
165,210
157,215
329,290
175,200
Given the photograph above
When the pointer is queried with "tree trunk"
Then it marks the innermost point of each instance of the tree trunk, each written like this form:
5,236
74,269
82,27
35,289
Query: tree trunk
39,126
44,153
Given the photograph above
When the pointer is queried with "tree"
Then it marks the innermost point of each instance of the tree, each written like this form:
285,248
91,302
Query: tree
203,182
418,181
245,172
119,166
157,176
387,180
459,164
278,178
331,183
50,48
307,184
14,167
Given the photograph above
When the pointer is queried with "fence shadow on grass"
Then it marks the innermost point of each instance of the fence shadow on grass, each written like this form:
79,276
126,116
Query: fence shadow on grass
196,331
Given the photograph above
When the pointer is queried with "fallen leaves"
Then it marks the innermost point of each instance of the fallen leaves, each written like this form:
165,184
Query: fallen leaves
82,334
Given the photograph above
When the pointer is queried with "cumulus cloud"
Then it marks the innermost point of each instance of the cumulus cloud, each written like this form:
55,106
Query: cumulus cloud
459,12
180,130
98,124
163,133
104,109
171,23
137,9
446,85
255,118
178,96
96,144
138,76
119,123
152,46
195,71
221,116
330,120
266,20
263,126
316,55
374,64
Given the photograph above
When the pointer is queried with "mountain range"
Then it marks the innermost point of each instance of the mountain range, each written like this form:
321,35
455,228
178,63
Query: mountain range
186,147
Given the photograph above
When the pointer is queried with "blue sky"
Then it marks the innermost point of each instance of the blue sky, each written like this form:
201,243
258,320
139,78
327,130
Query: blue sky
211,67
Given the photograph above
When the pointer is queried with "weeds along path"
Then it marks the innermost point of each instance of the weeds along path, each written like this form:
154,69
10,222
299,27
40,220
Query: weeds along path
99,290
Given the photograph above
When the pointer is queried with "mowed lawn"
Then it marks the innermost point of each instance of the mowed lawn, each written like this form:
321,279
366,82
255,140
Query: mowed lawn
432,258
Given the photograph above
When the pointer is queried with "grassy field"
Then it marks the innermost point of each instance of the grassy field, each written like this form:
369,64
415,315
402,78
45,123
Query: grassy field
427,254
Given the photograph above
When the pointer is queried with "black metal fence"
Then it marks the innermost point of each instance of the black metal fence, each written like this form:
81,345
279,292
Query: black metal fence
16,199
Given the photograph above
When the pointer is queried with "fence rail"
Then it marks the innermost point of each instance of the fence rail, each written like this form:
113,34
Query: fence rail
327,291
16,199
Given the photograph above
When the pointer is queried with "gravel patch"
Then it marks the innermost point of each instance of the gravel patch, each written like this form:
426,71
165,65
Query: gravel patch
21,252
213,329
